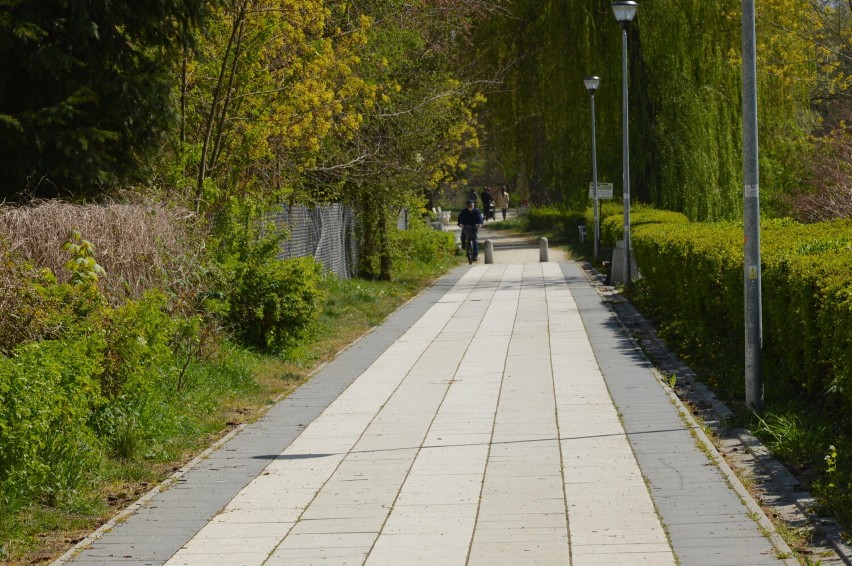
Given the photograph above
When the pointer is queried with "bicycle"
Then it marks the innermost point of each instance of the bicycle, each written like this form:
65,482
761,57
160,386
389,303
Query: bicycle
469,239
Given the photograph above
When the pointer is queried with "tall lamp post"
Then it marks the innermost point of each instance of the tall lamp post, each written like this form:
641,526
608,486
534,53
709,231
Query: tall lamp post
592,84
624,11
751,210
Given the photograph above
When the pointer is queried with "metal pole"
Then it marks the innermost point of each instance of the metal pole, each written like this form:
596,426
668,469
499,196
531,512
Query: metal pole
595,182
751,209
625,158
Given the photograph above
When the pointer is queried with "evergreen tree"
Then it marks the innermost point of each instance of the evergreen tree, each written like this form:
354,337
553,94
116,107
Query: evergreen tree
85,90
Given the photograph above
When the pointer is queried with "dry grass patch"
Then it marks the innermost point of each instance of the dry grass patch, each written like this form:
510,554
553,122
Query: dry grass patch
141,246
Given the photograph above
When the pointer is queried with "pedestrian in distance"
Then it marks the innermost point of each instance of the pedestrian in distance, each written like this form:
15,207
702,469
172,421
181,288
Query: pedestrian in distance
488,204
472,196
504,202
470,219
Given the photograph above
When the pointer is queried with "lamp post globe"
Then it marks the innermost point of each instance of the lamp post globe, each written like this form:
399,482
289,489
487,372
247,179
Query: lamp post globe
592,84
625,11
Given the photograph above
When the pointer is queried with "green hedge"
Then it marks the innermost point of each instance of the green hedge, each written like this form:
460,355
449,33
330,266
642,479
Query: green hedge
612,220
562,224
693,273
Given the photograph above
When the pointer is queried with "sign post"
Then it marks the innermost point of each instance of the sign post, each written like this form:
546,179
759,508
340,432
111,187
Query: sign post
604,191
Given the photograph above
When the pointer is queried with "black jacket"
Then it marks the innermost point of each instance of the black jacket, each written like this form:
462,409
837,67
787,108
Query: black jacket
470,217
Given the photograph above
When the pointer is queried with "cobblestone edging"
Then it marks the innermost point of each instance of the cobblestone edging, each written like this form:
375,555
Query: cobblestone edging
781,495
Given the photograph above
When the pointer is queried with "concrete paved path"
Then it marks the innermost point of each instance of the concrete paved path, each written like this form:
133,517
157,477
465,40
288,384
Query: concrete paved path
501,418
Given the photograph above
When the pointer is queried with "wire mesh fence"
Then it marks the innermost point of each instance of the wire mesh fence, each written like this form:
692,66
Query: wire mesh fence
328,233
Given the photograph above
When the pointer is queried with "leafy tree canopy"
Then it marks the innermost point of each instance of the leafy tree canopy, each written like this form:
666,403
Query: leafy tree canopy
85,89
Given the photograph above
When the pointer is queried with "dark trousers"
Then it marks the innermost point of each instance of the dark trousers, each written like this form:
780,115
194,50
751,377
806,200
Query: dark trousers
470,232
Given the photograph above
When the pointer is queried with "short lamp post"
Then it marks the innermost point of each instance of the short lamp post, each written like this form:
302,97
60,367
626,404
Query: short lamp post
592,84
625,11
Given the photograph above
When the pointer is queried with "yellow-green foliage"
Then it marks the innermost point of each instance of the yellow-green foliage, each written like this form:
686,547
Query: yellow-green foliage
47,392
612,220
424,245
290,86
82,264
694,273
67,361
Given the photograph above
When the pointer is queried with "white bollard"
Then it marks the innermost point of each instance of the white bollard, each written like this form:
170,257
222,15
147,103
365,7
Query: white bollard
489,251
542,250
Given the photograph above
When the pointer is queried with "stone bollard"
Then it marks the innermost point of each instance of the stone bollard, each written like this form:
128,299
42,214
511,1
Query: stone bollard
489,251
542,250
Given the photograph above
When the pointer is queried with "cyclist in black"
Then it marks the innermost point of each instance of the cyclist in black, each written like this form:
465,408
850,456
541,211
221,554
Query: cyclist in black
470,219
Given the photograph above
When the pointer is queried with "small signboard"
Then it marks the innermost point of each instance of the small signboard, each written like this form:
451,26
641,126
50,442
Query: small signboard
604,190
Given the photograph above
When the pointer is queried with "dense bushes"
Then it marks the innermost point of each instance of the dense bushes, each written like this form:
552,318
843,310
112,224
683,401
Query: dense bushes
266,303
48,391
563,223
612,220
68,395
424,245
270,303
694,272
86,374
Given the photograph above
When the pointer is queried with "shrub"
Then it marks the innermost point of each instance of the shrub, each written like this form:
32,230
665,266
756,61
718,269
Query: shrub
47,392
271,303
424,245
33,306
694,275
22,304
138,337
612,220
267,303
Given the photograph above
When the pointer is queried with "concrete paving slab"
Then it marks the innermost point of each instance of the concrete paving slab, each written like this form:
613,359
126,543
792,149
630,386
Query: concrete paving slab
500,418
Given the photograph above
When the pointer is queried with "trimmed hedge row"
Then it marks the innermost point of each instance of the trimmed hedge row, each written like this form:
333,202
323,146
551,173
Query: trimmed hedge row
694,275
612,220
561,223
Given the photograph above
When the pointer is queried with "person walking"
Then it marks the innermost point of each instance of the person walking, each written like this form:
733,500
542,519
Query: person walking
470,219
504,202
488,203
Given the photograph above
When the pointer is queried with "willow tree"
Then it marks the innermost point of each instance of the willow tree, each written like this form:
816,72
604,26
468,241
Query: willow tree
85,90
538,122
685,91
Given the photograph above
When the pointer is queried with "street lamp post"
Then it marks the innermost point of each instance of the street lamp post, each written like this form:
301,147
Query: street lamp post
751,210
624,11
592,84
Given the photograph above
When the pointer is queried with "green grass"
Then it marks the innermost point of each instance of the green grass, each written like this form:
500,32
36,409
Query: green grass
517,224
229,387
